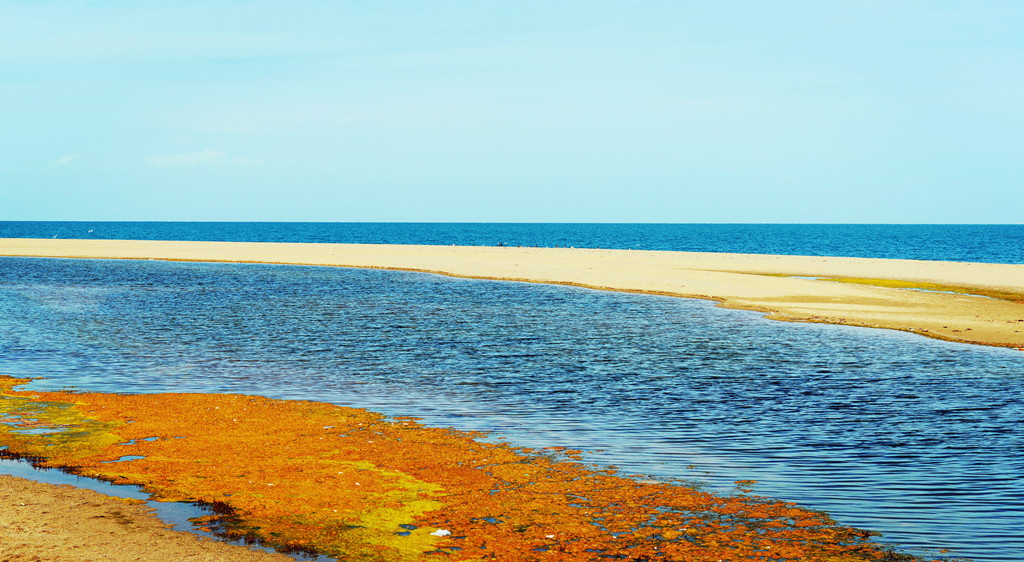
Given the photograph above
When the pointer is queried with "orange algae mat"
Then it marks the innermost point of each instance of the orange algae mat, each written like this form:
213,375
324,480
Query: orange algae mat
355,485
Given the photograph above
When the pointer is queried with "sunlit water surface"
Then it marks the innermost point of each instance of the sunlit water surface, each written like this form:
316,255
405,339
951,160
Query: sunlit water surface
918,439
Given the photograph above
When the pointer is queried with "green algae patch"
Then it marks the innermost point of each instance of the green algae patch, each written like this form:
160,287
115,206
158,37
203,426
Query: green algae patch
933,287
973,291
43,430
356,485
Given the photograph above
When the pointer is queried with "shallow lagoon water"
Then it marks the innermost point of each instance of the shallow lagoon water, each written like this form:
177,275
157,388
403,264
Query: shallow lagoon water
917,439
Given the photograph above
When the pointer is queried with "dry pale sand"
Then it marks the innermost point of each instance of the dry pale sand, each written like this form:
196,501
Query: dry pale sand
746,281
47,522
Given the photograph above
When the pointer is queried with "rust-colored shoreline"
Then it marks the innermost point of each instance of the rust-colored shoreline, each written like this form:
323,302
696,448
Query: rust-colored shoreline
778,286
355,485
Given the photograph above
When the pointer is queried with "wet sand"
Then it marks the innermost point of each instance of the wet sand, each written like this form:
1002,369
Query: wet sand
47,522
795,288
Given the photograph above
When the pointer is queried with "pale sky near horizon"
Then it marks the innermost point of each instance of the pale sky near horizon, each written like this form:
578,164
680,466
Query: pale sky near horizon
886,111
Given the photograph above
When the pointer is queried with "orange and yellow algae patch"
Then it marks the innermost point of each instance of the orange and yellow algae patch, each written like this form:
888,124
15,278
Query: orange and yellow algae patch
354,485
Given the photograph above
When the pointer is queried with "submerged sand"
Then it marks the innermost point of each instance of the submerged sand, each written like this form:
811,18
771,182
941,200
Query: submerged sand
796,288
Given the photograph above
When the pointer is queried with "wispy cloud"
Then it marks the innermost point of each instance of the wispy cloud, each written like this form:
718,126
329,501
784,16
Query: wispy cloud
205,157
246,161
65,160
187,160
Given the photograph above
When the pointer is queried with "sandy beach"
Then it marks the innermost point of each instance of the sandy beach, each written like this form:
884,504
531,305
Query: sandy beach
47,522
965,302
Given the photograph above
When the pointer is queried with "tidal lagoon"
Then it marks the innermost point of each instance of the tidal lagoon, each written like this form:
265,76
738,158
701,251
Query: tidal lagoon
912,437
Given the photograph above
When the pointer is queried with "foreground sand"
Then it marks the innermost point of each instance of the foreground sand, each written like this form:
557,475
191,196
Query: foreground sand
46,522
785,287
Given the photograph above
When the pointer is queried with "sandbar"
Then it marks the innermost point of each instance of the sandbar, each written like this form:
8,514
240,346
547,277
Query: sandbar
977,303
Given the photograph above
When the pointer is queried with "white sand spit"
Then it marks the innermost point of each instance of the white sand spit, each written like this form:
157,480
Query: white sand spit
799,288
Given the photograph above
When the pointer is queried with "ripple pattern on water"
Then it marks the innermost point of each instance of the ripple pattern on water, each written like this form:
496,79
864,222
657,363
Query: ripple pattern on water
915,438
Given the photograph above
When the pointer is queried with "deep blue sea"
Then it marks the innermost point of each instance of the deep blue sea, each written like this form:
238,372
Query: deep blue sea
918,439
974,243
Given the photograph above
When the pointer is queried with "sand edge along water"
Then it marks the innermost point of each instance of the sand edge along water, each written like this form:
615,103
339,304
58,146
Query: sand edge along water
975,303
47,522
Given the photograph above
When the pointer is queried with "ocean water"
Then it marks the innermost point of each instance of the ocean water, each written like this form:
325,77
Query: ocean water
917,439
971,243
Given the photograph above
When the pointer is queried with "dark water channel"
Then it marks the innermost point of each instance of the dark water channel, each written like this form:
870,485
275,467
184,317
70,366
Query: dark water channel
918,439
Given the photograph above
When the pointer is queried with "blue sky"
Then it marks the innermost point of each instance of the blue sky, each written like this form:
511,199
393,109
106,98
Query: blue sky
643,111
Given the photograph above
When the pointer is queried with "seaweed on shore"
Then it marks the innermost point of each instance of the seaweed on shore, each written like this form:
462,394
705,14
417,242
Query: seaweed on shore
356,485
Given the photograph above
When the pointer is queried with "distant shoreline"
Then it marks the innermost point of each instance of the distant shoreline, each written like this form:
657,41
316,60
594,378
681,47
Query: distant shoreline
987,243
974,303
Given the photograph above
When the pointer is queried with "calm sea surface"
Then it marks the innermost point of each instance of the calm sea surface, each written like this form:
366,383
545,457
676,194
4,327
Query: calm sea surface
977,243
918,439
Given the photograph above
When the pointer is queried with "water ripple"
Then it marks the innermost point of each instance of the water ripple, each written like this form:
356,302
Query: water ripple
915,438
